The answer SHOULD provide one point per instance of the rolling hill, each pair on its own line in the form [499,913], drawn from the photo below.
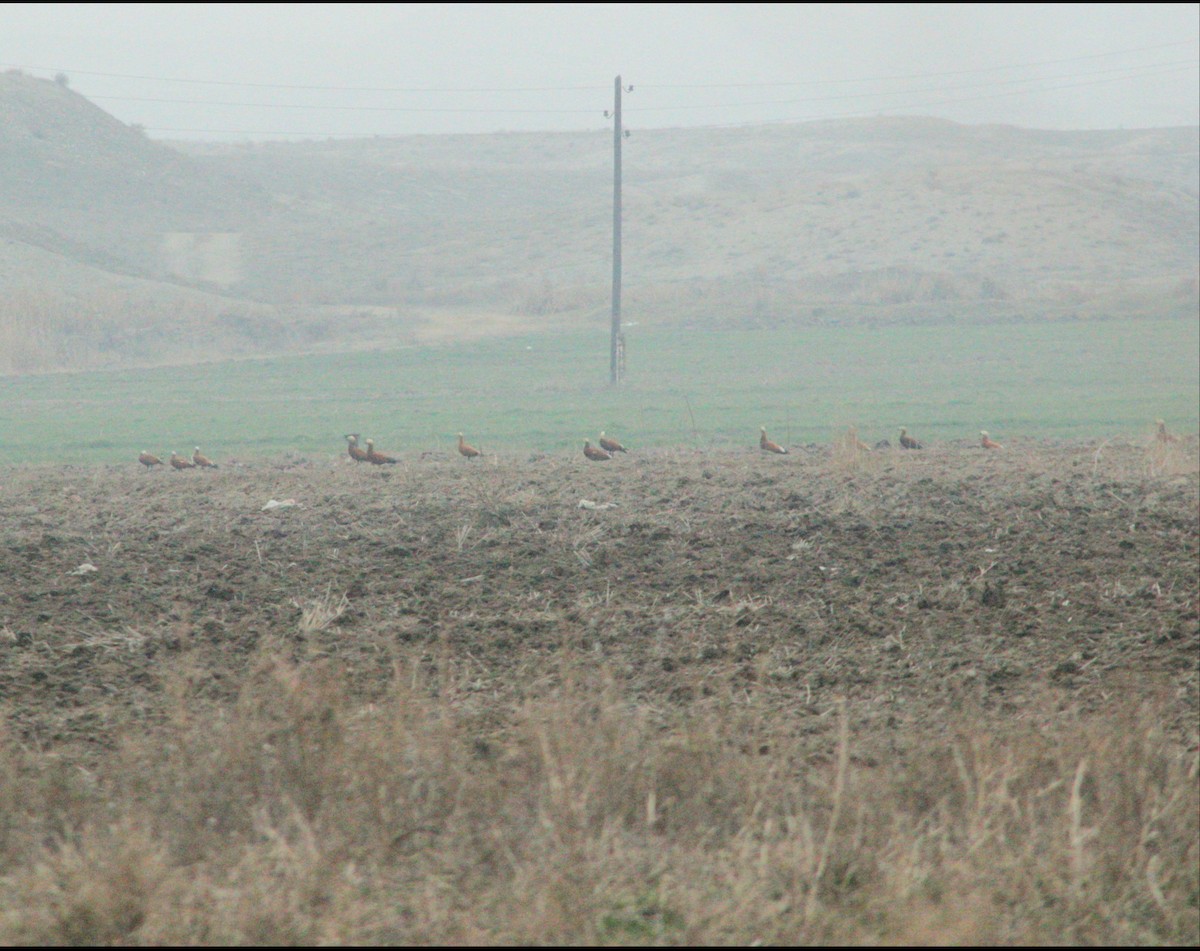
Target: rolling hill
[116,249]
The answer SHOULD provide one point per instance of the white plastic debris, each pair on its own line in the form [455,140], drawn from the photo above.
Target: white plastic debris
[279,504]
[596,506]
[84,569]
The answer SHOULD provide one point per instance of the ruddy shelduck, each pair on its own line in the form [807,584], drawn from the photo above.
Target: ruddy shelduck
[1163,435]
[357,453]
[610,445]
[594,453]
[202,460]
[378,458]
[766,445]
[466,449]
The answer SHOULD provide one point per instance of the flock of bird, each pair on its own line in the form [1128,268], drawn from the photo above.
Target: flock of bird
[906,442]
[606,450]
[198,460]
[372,455]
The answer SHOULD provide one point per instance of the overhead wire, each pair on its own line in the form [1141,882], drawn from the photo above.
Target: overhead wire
[999,88]
[1156,70]
[588,86]
[934,74]
[301,86]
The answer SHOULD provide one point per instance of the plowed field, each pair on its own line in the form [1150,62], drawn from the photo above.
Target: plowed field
[1042,580]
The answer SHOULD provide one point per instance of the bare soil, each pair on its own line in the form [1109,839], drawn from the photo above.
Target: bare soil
[917,587]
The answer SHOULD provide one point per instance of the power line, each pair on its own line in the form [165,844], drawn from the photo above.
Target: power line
[290,105]
[1156,69]
[1027,86]
[591,87]
[930,75]
[979,98]
[843,115]
[1159,69]
[323,88]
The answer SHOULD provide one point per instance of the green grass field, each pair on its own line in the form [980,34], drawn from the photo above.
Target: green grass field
[683,389]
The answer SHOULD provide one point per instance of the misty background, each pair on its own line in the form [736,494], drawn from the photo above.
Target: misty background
[254,71]
[822,189]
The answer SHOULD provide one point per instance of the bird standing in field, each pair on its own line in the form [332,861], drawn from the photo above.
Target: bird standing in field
[610,445]
[357,453]
[1162,434]
[987,441]
[466,449]
[851,442]
[178,462]
[596,455]
[378,457]
[149,459]
[202,460]
[907,442]
[766,445]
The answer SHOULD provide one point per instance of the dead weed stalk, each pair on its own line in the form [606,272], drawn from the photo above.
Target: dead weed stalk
[316,614]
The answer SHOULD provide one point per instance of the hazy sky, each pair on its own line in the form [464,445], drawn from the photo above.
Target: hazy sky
[238,71]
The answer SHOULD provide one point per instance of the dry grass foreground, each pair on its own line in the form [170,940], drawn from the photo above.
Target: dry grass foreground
[831,697]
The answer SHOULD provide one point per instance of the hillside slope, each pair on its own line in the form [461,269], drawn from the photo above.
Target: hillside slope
[874,220]
[81,183]
[723,224]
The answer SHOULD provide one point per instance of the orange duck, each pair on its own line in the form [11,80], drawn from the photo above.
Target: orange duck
[378,457]
[596,455]
[357,453]
[610,445]
[766,445]
[202,461]
[466,449]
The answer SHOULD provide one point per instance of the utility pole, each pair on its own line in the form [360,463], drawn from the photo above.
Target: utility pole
[617,343]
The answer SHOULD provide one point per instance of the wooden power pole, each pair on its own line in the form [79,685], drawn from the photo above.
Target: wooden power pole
[617,343]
